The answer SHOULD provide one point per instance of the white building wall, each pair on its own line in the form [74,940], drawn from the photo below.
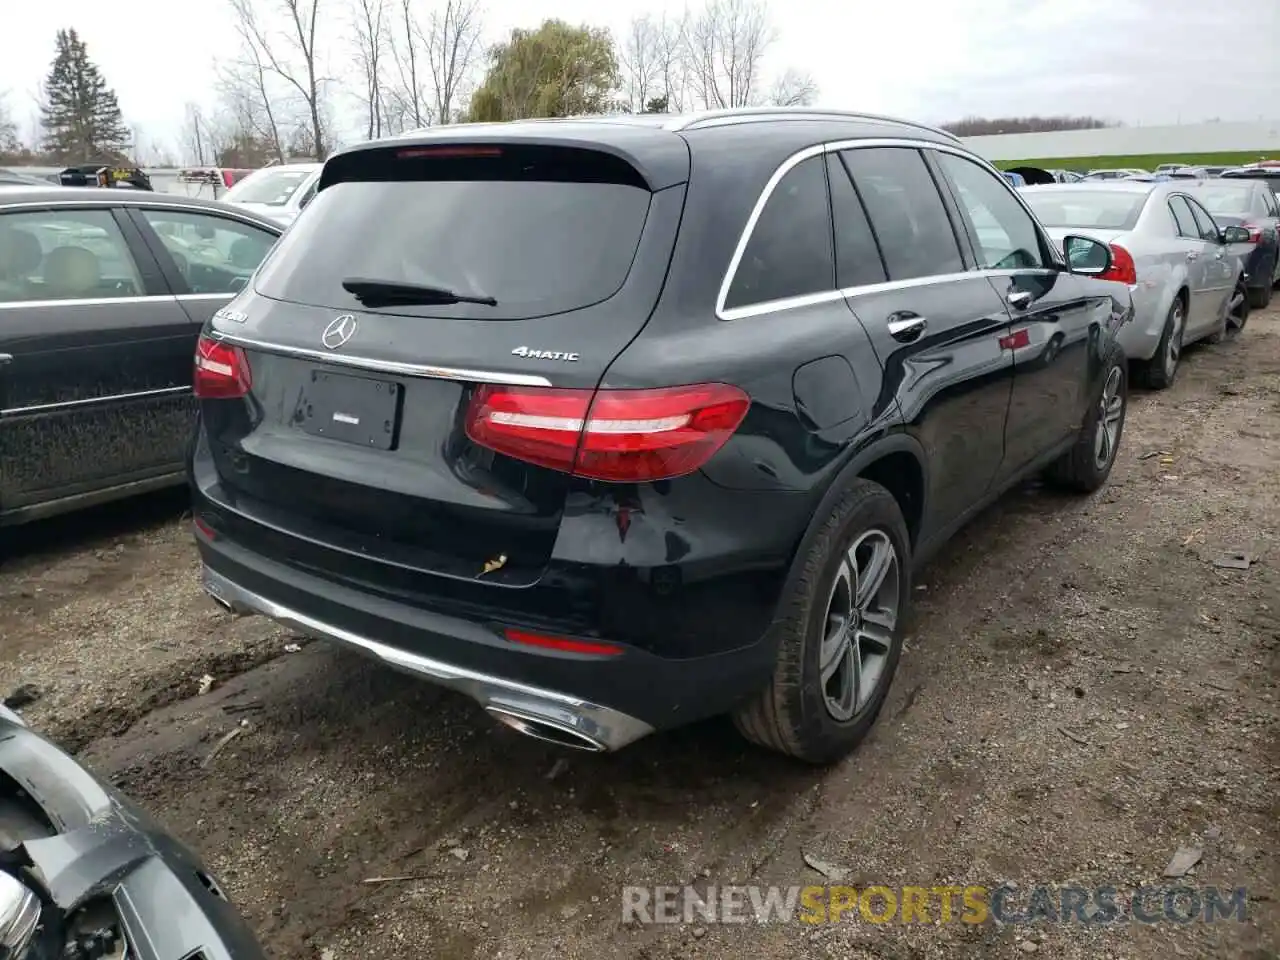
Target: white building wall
[1261,136]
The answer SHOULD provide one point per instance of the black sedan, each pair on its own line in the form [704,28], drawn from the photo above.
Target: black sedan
[84,874]
[102,295]
[1250,204]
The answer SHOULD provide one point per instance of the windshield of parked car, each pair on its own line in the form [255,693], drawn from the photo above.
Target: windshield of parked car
[1228,199]
[273,188]
[1100,209]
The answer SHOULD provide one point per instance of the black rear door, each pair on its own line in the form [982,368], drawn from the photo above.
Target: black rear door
[97,391]
[936,325]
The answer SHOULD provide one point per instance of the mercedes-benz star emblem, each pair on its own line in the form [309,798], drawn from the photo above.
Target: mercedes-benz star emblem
[339,331]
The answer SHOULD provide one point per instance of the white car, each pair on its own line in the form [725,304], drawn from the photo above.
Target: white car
[278,192]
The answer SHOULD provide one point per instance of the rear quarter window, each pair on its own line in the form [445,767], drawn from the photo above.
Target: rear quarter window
[540,237]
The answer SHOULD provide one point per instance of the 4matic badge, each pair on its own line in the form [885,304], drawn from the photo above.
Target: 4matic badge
[530,354]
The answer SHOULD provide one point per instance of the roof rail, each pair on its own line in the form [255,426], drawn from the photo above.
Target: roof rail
[708,118]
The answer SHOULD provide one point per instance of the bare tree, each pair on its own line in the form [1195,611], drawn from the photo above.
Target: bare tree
[727,41]
[252,112]
[406,48]
[195,134]
[9,142]
[370,46]
[453,50]
[301,26]
[794,88]
[640,62]
[673,62]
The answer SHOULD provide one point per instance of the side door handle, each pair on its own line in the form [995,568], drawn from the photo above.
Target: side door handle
[1193,255]
[906,326]
[1220,254]
[6,359]
[1020,299]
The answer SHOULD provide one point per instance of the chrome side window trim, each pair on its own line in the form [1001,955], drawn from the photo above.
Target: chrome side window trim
[91,401]
[84,301]
[830,296]
[394,367]
[825,296]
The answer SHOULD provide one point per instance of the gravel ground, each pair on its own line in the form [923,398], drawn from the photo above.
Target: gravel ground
[1084,691]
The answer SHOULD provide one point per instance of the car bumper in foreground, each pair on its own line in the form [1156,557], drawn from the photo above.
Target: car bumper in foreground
[168,906]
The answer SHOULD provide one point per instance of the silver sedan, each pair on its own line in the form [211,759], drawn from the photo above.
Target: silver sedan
[1186,281]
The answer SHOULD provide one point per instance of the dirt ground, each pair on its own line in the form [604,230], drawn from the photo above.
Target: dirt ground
[1083,692]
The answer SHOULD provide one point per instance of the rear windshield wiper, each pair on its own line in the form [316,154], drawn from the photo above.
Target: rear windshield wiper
[374,293]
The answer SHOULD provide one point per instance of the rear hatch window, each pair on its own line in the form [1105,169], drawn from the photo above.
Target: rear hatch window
[1102,210]
[531,231]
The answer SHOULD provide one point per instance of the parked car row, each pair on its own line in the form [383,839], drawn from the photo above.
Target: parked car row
[1195,254]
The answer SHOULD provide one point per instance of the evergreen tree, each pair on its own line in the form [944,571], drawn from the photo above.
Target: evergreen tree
[82,118]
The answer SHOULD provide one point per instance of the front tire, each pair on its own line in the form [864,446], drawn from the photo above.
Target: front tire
[1158,372]
[1085,467]
[838,633]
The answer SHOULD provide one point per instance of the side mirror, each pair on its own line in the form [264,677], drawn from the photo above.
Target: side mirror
[1235,235]
[1086,256]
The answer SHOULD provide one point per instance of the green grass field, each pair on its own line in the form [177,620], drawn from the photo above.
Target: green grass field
[1147,161]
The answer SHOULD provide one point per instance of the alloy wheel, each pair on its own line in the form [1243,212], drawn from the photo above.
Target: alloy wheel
[1174,350]
[862,614]
[1237,312]
[1110,412]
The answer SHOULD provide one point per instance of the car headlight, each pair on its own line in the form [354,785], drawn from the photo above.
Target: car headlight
[19,917]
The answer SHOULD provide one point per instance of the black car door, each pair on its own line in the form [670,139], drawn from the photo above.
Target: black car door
[207,255]
[935,325]
[95,391]
[1054,313]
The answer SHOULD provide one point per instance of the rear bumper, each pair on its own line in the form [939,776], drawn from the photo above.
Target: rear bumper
[1141,336]
[585,701]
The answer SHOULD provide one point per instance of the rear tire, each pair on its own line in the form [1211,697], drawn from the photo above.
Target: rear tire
[800,713]
[1158,372]
[1085,467]
[1260,297]
[1237,316]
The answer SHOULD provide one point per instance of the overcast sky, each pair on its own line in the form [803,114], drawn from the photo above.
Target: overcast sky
[1138,61]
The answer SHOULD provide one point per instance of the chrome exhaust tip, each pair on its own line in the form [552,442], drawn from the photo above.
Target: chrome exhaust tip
[548,730]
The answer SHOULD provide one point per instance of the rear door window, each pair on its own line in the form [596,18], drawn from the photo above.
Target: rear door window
[539,234]
[906,211]
[65,255]
[789,253]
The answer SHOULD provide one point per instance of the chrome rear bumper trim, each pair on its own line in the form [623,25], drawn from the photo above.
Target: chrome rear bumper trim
[609,728]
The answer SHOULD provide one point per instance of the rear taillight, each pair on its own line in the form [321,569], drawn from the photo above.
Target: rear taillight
[1255,232]
[222,371]
[1123,269]
[615,435]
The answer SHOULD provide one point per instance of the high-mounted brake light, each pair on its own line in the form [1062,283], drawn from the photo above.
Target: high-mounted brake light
[444,153]
[623,436]
[1123,269]
[222,371]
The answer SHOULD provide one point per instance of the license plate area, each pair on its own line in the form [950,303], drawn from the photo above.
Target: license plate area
[359,410]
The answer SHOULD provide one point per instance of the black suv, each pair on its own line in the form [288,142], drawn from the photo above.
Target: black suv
[618,423]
